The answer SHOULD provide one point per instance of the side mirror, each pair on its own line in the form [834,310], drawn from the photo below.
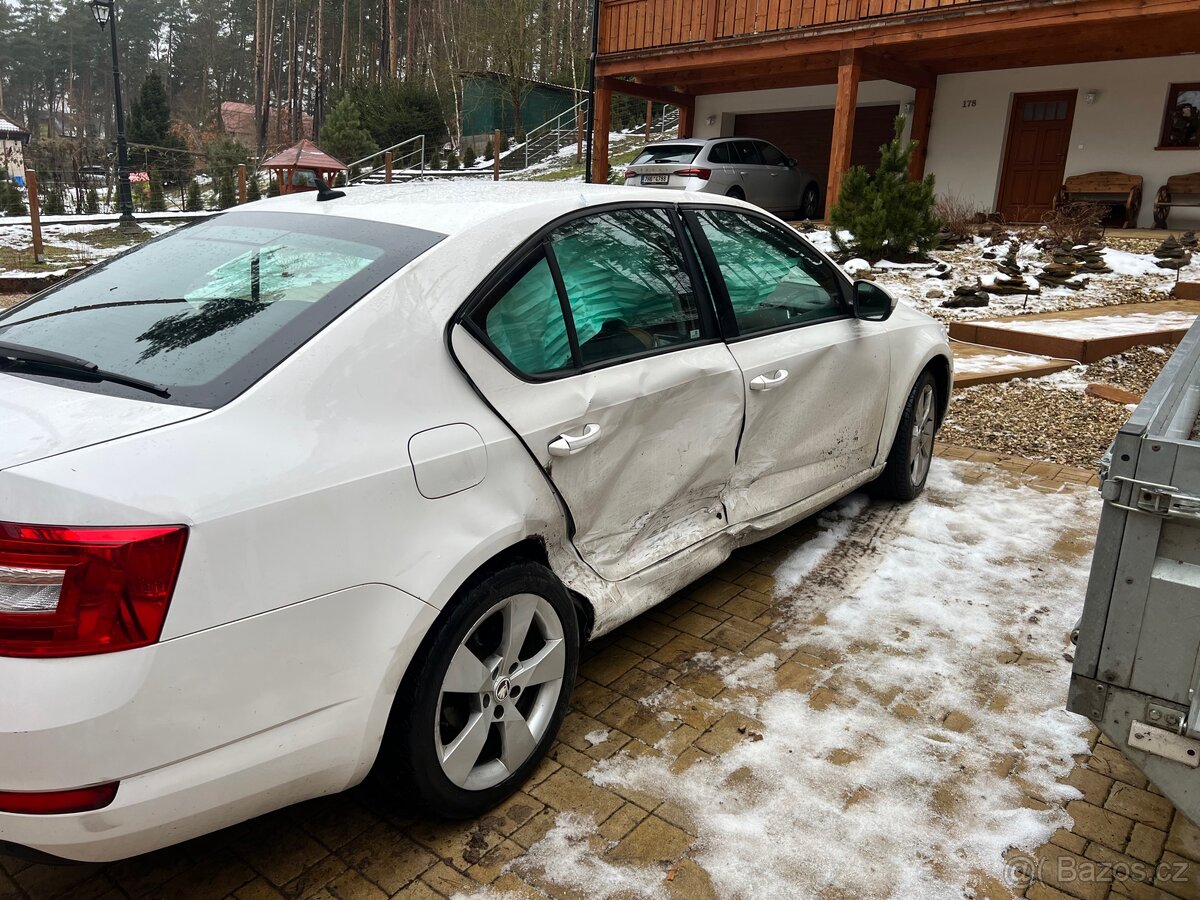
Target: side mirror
[791,163]
[871,302]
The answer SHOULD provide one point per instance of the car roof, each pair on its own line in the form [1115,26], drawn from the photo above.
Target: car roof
[456,206]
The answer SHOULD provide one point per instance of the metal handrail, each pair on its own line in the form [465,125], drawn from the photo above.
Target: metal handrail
[419,140]
[555,125]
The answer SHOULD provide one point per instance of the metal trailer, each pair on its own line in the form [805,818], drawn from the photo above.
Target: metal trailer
[1137,663]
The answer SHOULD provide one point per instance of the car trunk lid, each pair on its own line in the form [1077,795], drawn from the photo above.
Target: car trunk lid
[43,419]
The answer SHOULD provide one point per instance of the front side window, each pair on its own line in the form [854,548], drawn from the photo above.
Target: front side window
[626,283]
[771,156]
[207,310]
[773,280]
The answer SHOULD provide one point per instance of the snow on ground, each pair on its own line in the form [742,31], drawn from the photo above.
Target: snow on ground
[71,238]
[999,361]
[1094,327]
[931,736]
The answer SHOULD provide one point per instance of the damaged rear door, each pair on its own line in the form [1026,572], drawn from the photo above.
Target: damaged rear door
[599,348]
[1136,672]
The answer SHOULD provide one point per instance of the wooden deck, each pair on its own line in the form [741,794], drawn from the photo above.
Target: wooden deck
[1085,335]
[978,364]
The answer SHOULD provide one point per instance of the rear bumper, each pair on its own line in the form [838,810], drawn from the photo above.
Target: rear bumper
[206,730]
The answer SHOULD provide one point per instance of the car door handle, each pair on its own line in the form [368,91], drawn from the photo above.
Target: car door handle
[568,444]
[741,173]
[766,382]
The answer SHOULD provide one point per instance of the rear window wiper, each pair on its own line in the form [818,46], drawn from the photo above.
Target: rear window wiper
[49,359]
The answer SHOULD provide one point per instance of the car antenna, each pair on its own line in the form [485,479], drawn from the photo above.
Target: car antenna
[325,192]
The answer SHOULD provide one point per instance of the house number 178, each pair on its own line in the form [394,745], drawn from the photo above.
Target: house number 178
[968,103]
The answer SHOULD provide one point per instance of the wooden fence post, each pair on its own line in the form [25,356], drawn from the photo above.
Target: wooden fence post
[35,216]
[241,183]
[387,167]
[496,155]
[579,134]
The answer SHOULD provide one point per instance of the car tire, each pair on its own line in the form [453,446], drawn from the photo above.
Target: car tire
[907,468]
[473,720]
[810,202]
[736,193]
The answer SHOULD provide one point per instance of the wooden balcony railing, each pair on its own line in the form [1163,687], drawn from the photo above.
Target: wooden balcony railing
[629,25]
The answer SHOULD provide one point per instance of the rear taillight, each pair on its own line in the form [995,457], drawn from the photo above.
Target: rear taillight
[78,591]
[48,803]
[630,173]
[704,174]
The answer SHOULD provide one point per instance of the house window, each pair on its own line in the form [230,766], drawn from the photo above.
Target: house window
[1181,118]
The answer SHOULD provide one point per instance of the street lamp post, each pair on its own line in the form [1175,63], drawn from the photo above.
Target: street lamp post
[106,14]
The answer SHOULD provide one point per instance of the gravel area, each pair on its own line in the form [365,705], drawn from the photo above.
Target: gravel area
[7,300]
[1052,418]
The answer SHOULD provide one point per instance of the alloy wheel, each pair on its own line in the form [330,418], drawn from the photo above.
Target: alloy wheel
[498,696]
[921,446]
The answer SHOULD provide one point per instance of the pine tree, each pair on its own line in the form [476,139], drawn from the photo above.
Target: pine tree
[273,187]
[435,161]
[886,213]
[14,203]
[253,189]
[194,203]
[343,136]
[92,202]
[156,203]
[226,195]
[452,160]
[489,152]
[54,205]
[503,143]
[469,157]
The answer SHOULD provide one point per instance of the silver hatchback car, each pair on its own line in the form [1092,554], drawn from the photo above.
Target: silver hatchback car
[746,168]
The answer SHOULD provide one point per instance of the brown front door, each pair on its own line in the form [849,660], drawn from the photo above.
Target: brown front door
[1039,132]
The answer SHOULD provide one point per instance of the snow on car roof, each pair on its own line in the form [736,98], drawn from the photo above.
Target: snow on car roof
[451,208]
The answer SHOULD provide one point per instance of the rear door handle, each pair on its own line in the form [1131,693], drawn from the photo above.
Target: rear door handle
[766,382]
[569,444]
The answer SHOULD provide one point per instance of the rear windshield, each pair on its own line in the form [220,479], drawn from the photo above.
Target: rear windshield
[207,310]
[667,153]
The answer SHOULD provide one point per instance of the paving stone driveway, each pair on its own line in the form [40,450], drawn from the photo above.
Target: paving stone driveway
[353,846]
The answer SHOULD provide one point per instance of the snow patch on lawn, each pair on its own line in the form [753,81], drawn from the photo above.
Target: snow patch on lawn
[947,738]
[1000,361]
[1094,327]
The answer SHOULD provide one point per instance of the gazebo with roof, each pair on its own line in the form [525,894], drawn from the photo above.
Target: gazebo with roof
[298,167]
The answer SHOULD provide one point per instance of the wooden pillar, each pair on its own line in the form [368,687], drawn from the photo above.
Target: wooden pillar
[601,125]
[496,155]
[241,184]
[387,167]
[922,121]
[849,73]
[35,216]
[649,117]
[687,119]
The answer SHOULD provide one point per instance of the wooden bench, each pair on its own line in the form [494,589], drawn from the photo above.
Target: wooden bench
[1111,188]
[1180,190]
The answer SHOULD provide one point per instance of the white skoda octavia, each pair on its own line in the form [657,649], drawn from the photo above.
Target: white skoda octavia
[313,489]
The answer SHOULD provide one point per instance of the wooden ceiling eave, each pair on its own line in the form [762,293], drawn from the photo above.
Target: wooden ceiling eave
[985,26]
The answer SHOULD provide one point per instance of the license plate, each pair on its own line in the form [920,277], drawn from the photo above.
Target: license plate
[656,179]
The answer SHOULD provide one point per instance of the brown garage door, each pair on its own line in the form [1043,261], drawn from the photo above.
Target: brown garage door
[807,136]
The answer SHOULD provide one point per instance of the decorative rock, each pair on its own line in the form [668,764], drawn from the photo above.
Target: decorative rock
[855,267]
[959,301]
[807,227]
[966,290]
[1188,239]
[935,294]
[1175,264]
[941,270]
[1169,249]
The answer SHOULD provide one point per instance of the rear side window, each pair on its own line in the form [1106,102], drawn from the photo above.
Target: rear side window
[721,154]
[772,279]
[748,153]
[667,154]
[623,291]
[209,309]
